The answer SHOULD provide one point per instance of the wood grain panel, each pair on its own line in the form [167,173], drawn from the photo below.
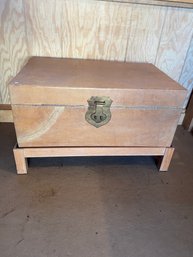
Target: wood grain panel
[175,40]
[92,151]
[56,81]
[80,29]
[44,27]
[145,30]
[47,126]
[152,98]
[73,73]
[13,47]
[95,30]
[5,65]
[186,78]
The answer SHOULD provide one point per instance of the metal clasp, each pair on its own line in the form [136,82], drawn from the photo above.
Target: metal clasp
[98,113]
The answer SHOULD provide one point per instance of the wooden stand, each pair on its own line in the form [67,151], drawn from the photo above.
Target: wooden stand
[21,154]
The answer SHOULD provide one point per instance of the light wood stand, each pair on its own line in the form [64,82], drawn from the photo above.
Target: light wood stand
[21,154]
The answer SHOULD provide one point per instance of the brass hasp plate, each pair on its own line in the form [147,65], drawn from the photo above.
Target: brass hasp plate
[98,113]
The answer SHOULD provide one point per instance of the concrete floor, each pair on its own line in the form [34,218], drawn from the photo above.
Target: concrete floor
[96,207]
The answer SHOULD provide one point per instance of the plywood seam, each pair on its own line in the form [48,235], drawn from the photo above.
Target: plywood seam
[166,13]
[26,34]
[127,43]
[62,36]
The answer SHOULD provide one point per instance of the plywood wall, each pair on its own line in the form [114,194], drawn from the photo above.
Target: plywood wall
[96,30]
[186,77]
[175,40]
[13,47]
[78,29]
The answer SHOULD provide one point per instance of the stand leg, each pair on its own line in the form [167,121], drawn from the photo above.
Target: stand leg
[166,159]
[20,161]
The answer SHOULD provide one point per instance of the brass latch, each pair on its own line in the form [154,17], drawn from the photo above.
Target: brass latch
[98,113]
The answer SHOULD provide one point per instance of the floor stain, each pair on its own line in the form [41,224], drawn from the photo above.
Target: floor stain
[45,194]
[7,213]
[21,240]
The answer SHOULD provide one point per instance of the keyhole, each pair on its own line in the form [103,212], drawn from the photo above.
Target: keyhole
[98,118]
[101,118]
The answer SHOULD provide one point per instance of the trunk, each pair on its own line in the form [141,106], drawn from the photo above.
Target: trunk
[64,102]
